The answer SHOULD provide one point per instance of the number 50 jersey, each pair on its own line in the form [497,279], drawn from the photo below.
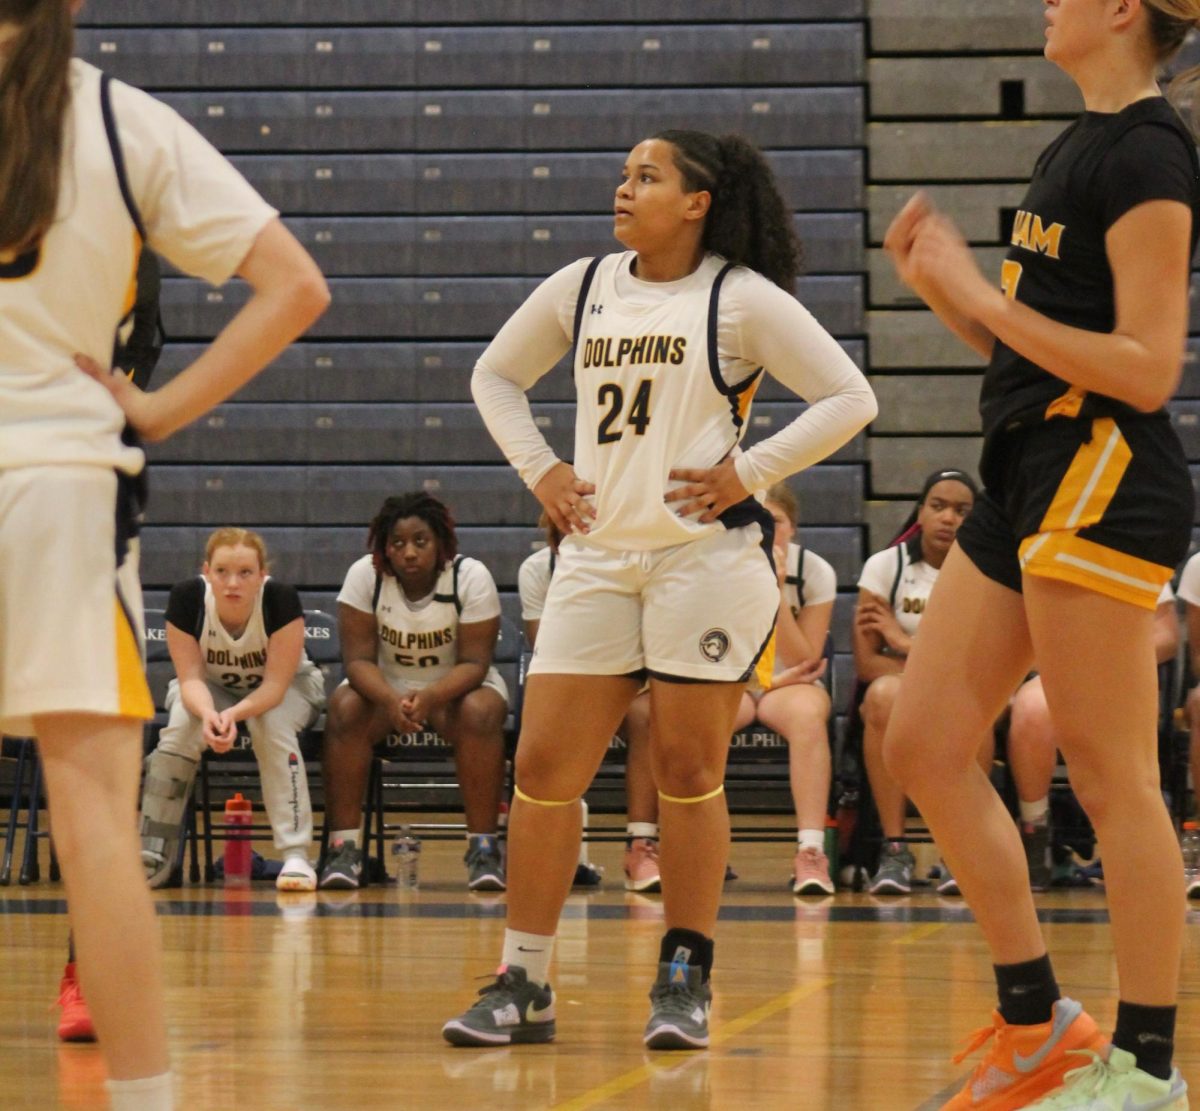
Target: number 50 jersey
[418,640]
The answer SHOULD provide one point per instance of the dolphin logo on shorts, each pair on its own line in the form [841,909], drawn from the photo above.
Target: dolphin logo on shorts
[714,645]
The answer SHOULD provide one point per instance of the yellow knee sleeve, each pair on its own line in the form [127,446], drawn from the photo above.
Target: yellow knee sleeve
[539,802]
[699,798]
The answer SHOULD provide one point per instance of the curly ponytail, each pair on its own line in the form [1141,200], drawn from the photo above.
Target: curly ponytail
[748,221]
[34,94]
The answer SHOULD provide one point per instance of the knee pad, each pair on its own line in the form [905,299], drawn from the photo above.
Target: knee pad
[698,798]
[165,794]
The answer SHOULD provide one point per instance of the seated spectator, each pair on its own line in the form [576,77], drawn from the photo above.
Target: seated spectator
[1033,747]
[418,625]
[798,709]
[641,795]
[892,591]
[236,638]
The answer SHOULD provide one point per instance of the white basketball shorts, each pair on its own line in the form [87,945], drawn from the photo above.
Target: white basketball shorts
[70,618]
[702,611]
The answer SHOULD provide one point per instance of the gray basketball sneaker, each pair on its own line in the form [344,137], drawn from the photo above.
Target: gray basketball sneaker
[679,1006]
[509,1010]
[343,867]
[485,868]
[895,871]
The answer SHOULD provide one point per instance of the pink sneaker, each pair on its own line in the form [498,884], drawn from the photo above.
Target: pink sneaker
[641,865]
[811,873]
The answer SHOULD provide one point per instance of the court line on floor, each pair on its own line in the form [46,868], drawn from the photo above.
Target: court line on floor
[265,905]
[920,933]
[725,1032]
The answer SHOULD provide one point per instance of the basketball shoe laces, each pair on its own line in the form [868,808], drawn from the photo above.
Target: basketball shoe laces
[1088,1080]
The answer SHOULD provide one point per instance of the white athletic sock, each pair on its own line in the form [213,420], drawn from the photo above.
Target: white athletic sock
[349,836]
[642,829]
[1035,812]
[151,1093]
[531,952]
[811,839]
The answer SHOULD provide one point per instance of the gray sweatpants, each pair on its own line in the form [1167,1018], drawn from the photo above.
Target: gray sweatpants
[275,738]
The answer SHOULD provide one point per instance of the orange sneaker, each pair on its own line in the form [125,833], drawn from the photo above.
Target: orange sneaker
[1025,1062]
[75,1022]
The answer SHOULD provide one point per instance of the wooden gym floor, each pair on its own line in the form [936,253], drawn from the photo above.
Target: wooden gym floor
[335,1001]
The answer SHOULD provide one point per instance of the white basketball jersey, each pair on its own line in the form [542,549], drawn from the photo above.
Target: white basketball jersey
[237,663]
[67,296]
[418,644]
[650,398]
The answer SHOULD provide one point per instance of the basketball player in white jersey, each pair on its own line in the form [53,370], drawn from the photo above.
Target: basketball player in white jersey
[797,705]
[89,172]
[665,569]
[236,638]
[893,588]
[418,625]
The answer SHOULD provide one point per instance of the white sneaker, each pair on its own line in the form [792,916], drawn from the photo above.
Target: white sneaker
[297,875]
[1115,1085]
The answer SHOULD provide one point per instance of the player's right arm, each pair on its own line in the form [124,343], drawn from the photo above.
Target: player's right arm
[202,216]
[531,341]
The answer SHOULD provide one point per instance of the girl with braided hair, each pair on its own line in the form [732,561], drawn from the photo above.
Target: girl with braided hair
[665,569]
[418,625]
[1086,512]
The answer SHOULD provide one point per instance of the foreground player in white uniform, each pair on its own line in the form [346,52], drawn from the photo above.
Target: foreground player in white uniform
[794,699]
[89,172]
[418,626]
[666,565]
[236,638]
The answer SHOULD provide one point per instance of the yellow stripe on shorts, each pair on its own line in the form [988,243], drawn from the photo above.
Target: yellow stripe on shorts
[133,693]
[1091,480]
[1067,557]
[764,670]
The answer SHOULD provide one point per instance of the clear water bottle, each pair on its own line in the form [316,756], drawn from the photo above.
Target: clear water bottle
[1189,843]
[406,855]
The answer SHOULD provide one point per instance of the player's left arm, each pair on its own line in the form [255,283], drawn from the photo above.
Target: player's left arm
[285,646]
[802,638]
[1139,362]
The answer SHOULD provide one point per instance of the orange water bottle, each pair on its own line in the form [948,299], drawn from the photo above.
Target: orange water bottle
[238,816]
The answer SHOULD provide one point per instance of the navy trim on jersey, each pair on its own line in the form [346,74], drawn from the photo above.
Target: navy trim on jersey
[734,392]
[750,511]
[797,580]
[22,266]
[453,597]
[118,156]
[581,304]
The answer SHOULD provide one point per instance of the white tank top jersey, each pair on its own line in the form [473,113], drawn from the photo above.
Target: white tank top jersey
[138,163]
[239,663]
[533,582]
[909,595]
[418,641]
[650,397]
[664,376]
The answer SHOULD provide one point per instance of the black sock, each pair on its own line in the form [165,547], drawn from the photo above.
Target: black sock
[70,948]
[1149,1034]
[1028,991]
[698,950]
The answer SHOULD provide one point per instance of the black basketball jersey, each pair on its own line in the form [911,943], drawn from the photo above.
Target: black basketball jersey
[1103,165]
